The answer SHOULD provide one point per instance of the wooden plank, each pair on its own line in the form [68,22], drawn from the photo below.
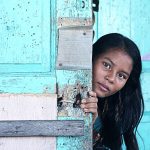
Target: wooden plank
[27,143]
[28,107]
[41,128]
[27,83]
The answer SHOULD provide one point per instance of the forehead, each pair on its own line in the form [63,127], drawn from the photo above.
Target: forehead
[119,57]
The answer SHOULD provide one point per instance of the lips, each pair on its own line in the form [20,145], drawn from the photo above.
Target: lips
[103,87]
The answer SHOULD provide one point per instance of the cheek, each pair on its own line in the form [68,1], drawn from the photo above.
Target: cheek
[119,86]
[94,73]
[98,73]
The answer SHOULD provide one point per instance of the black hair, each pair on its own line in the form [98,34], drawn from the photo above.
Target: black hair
[125,108]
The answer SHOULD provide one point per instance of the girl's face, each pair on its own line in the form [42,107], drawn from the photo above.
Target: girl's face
[111,71]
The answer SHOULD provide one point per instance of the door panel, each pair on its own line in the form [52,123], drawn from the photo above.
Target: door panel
[27,51]
[25,36]
[131,18]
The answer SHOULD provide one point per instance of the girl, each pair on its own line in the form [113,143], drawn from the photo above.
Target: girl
[116,100]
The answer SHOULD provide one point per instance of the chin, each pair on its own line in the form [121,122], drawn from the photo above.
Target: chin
[103,95]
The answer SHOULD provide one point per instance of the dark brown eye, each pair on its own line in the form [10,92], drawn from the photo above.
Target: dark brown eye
[107,65]
[121,76]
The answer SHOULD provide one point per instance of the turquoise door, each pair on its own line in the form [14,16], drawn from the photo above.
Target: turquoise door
[35,52]
[140,33]
[131,18]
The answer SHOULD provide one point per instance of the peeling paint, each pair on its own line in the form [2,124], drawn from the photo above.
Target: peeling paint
[71,86]
[70,97]
[72,22]
[74,13]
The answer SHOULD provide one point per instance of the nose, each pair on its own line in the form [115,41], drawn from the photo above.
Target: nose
[110,76]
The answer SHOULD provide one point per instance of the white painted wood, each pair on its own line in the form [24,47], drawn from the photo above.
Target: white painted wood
[28,107]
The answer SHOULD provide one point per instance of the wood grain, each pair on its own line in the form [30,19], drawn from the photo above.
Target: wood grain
[27,107]
[41,128]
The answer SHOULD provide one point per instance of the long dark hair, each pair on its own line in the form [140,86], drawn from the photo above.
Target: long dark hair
[121,112]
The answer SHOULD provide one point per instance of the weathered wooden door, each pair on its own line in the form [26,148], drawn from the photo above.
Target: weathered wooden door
[131,18]
[45,56]
[27,62]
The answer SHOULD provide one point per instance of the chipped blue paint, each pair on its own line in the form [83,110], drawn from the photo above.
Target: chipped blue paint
[77,143]
[67,81]
[74,9]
